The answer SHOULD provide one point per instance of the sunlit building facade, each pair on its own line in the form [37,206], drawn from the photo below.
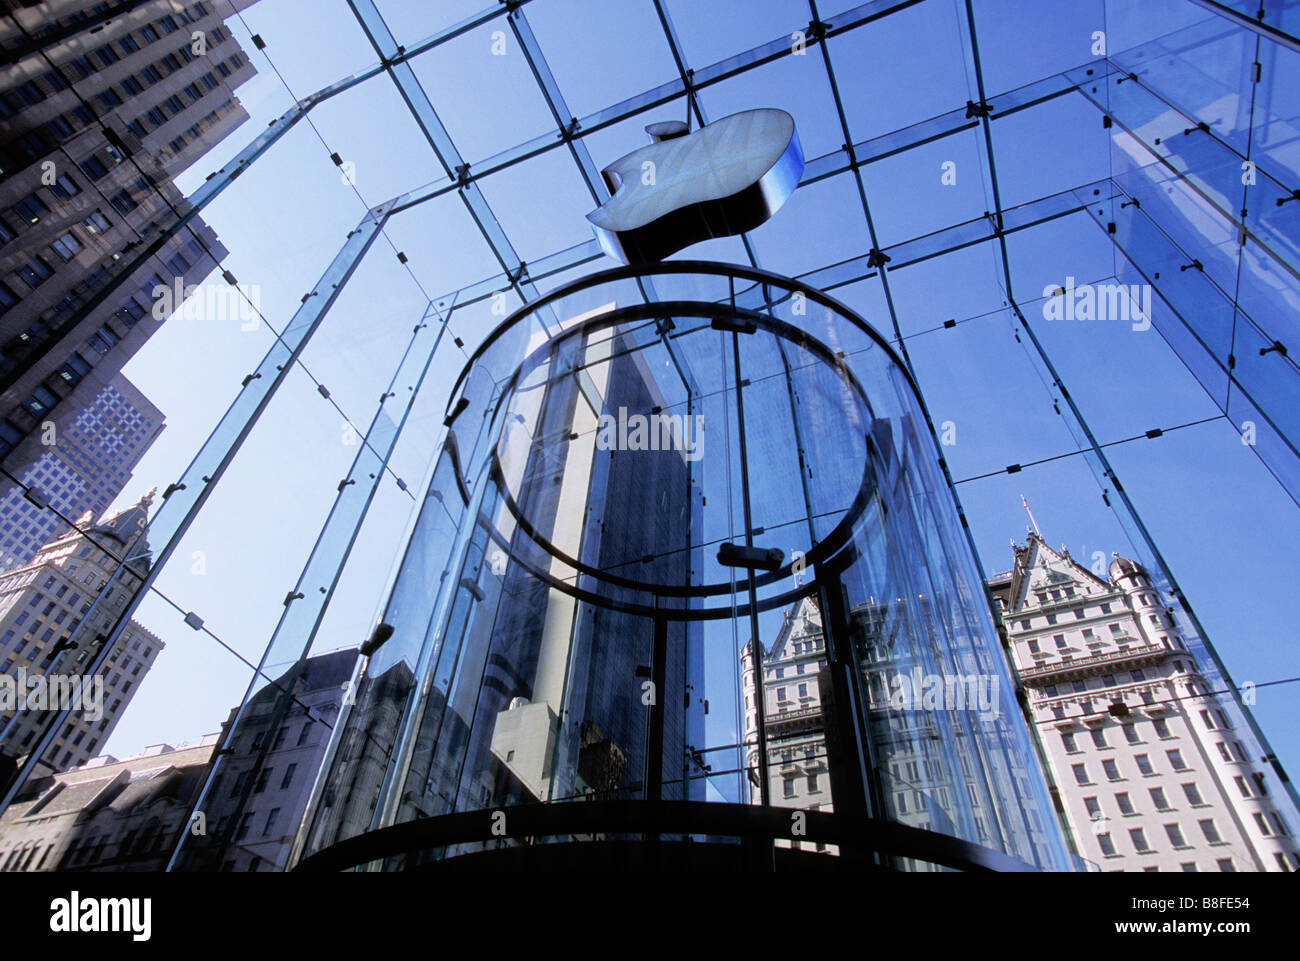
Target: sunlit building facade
[1152,772]
[41,605]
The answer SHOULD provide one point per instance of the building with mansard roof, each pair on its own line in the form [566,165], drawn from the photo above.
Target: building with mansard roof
[1149,771]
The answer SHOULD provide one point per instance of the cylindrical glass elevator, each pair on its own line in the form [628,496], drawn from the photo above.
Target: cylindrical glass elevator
[688,586]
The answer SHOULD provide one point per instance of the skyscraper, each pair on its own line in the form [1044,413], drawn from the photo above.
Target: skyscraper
[98,111]
[41,604]
[90,459]
[1147,764]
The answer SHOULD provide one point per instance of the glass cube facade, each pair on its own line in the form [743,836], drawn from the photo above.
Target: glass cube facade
[1072,229]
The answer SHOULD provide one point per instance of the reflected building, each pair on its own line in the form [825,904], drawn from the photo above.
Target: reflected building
[793,675]
[1151,770]
[271,750]
[561,657]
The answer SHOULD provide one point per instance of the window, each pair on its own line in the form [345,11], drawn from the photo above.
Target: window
[1144,764]
[1161,726]
[780,694]
[35,272]
[1124,802]
[1175,835]
[1139,839]
[1158,799]
[803,690]
[1210,831]
[1176,760]
[270,821]
[1207,720]
[1107,845]
[302,737]
[1131,734]
[1226,866]
[122,202]
[67,246]
[1070,746]
[1080,774]
[96,223]
[1033,647]
[1059,640]
[64,187]
[30,209]
[787,786]
[1242,786]
[812,783]
[1099,738]
[1262,824]
[1111,769]
[288,776]
[1094,808]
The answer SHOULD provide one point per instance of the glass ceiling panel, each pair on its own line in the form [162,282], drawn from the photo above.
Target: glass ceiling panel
[518,111]
[539,221]
[710,31]
[1022,40]
[827,216]
[623,45]
[413,20]
[797,85]
[879,93]
[422,234]
[1052,147]
[927,188]
[379,167]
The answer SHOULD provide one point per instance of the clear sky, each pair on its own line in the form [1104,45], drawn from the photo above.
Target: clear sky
[1223,524]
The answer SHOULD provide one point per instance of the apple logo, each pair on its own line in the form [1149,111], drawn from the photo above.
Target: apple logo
[724,179]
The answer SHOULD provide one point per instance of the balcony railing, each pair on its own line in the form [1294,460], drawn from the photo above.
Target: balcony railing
[1144,653]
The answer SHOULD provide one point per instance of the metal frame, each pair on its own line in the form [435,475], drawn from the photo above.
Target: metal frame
[186,497]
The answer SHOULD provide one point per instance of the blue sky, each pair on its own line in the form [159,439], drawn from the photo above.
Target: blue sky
[1222,522]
